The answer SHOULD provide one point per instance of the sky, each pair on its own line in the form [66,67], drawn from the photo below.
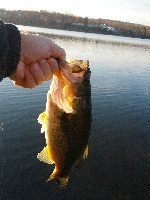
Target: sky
[134,11]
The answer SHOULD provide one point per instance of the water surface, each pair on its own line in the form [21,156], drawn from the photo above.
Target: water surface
[118,164]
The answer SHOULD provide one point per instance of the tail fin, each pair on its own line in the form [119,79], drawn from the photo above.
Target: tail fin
[63,181]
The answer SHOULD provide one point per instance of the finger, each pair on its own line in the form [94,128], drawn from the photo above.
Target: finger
[53,65]
[58,52]
[37,73]
[29,81]
[45,68]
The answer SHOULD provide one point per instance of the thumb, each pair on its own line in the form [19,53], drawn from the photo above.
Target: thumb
[58,52]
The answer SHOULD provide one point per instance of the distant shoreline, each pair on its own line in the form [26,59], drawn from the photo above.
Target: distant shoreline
[68,22]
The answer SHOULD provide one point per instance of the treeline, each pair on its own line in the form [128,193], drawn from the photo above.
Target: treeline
[76,23]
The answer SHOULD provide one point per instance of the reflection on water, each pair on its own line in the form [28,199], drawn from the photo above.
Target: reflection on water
[1,126]
[83,35]
[118,164]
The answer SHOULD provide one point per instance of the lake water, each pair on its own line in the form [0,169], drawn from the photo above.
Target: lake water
[118,164]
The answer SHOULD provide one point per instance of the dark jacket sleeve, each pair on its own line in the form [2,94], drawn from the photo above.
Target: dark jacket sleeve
[10,47]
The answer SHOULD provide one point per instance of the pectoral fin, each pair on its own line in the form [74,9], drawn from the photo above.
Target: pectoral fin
[45,156]
[42,119]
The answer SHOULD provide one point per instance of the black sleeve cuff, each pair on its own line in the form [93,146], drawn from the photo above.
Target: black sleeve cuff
[10,47]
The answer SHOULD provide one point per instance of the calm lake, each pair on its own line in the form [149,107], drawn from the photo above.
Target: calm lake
[118,164]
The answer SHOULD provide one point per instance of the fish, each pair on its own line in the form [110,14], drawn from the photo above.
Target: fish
[66,120]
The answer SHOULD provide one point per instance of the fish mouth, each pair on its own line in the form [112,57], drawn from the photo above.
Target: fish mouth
[74,70]
[66,83]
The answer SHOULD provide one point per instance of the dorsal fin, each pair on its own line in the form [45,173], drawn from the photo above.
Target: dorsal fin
[44,156]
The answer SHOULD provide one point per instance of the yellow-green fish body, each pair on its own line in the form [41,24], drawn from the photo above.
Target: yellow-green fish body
[67,119]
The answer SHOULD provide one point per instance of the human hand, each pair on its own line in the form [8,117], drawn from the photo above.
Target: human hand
[37,61]
[30,76]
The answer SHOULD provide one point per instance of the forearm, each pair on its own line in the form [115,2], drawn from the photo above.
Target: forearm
[10,47]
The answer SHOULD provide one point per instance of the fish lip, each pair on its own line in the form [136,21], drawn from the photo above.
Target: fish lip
[59,61]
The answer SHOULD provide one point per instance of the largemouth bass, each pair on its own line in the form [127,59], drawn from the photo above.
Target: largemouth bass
[67,119]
